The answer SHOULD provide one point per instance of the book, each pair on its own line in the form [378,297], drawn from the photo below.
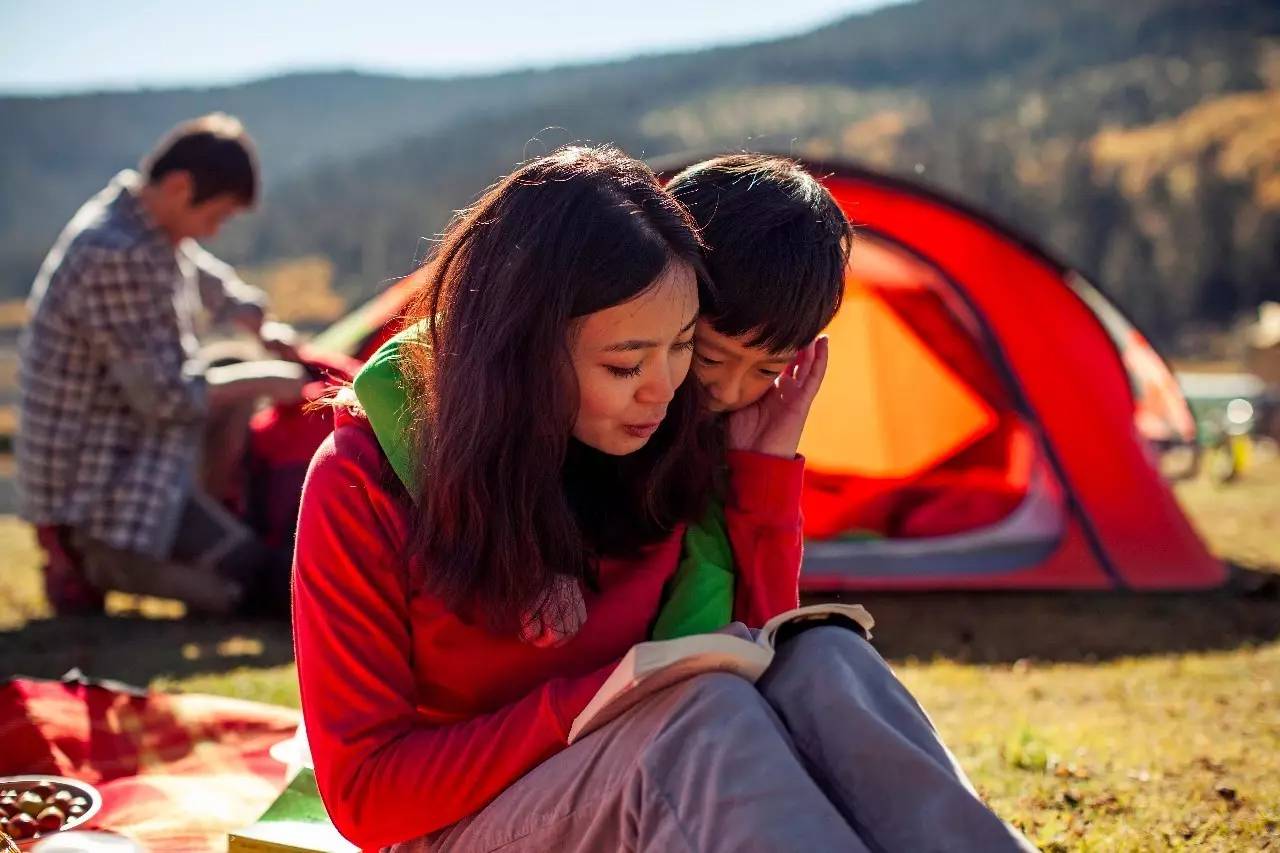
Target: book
[653,666]
[296,821]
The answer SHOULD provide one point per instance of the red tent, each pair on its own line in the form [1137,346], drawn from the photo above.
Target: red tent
[990,420]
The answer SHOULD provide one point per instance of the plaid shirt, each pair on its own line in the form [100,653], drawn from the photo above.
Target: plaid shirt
[112,402]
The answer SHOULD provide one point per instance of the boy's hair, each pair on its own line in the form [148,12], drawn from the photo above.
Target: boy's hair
[217,152]
[777,245]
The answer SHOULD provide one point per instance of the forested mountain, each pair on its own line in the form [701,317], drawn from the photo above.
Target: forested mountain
[1140,140]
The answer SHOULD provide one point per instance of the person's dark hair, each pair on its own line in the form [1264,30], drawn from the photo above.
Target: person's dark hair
[506,498]
[777,245]
[216,151]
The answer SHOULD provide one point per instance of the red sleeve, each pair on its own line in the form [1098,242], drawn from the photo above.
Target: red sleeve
[384,775]
[762,513]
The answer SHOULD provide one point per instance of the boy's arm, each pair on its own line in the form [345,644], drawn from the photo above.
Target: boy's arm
[223,294]
[763,520]
[766,478]
[699,597]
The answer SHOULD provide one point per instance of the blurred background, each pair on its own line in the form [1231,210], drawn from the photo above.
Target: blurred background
[1139,140]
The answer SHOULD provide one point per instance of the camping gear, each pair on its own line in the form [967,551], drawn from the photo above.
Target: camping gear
[989,420]
[1231,411]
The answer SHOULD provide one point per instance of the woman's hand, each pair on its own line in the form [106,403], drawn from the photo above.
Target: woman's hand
[772,425]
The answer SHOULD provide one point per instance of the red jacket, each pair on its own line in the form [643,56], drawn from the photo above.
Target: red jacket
[417,718]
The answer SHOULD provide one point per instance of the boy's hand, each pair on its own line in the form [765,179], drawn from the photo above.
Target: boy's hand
[773,424]
[280,339]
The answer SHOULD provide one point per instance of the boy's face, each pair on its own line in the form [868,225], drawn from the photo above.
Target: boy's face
[182,218]
[734,374]
[203,221]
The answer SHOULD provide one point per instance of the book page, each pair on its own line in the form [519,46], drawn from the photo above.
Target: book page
[654,666]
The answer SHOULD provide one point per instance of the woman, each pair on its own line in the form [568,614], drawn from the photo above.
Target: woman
[447,634]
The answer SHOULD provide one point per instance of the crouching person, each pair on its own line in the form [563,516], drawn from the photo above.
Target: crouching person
[122,420]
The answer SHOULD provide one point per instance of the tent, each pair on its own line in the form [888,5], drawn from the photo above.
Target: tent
[989,421]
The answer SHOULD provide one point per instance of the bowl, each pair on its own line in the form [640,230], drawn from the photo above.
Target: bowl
[76,788]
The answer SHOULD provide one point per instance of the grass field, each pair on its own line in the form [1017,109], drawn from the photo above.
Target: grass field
[1093,722]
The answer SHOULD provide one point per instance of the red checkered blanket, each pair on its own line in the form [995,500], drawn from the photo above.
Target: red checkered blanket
[176,771]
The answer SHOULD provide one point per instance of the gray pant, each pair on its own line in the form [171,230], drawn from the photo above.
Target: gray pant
[829,753]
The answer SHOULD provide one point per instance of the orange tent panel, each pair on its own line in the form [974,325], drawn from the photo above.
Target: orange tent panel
[889,407]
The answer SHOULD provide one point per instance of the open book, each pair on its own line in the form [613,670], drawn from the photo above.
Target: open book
[653,666]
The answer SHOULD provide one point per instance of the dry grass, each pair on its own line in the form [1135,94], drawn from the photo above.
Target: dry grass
[300,290]
[1177,751]
[23,596]
[8,372]
[1241,520]
[13,314]
[1233,130]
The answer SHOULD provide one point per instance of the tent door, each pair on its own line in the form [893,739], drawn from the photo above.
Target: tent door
[1024,538]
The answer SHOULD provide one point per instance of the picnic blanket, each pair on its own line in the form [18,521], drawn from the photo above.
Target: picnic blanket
[176,771]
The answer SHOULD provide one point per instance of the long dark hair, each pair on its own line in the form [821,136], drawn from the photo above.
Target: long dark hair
[506,499]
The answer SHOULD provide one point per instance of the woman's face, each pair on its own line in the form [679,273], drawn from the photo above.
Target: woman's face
[630,358]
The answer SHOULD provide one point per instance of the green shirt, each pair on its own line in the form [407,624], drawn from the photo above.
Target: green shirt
[698,598]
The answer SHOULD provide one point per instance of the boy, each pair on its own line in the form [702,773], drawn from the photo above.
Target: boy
[117,400]
[777,246]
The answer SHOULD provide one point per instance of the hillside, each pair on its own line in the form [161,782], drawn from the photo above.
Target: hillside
[1139,140]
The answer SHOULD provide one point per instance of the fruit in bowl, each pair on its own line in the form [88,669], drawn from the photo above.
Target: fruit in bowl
[35,807]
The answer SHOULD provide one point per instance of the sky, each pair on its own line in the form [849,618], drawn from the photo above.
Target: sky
[76,45]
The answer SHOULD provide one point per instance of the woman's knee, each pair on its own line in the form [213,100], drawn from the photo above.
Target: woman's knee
[705,727]
[710,708]
[712,693]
